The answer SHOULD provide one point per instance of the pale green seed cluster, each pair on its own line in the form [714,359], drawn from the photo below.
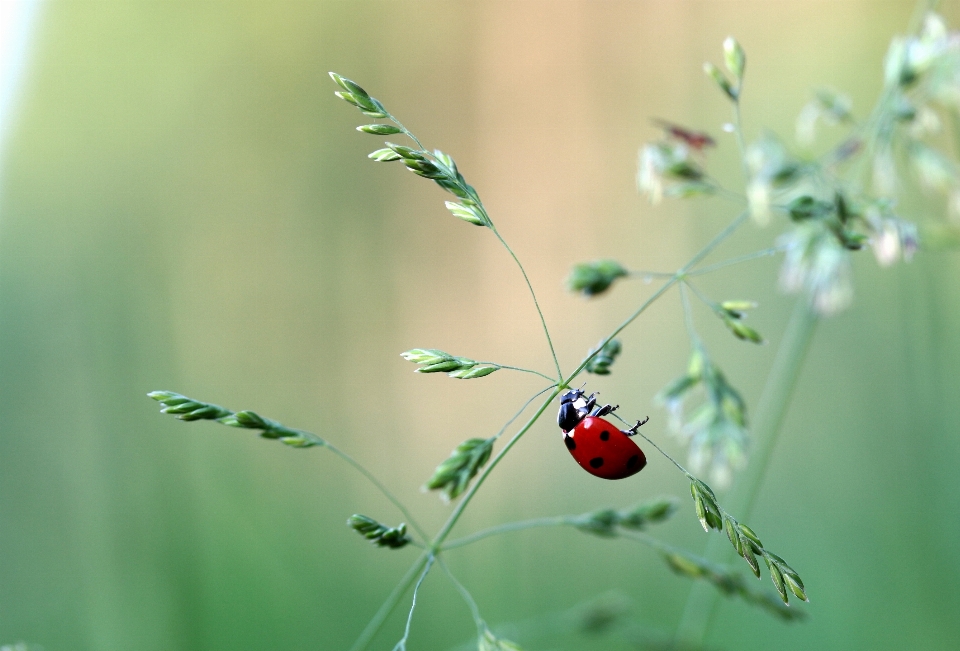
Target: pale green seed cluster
[735,59]
[435,165]
[487,641]
[189,409]
[607,522]
[601,362]
[593,278]
[454,474]
[716,428]
[379,534]
[732,313]
[669,168]
[354,94]
[437,361]
[729,583]
[745,542]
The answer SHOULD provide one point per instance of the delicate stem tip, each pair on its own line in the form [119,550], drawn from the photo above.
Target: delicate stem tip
[735,58]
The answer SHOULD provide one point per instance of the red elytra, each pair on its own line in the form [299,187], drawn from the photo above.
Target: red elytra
[603,450]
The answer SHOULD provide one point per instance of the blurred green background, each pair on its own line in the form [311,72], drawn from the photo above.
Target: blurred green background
[186,206]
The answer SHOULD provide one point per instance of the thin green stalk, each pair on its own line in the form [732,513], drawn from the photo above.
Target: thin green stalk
[373,627]
[522,370]
[508,527]
[467,597]
[559,521]
[651,274]
[728,583]
[278,430]
[724,192]
[321,442]
[737,260]
[704,252]
[715,242]
[522,409]
[661,451]
[543,322]
[700,295]
[407,132]
[630,319]
[402,644]
[688,314]
[771,411]
[490,224]
[383,489]
[650,541]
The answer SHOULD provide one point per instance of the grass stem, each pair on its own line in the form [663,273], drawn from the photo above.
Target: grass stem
[771,411]
[467,597]
[737,260]
[402,644]
[373,626]
[533,294]
[437,544]
[383,489]
[522,370]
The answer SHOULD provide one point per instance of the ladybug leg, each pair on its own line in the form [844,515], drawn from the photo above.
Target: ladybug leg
[633,430]
[587,405]
[604,410]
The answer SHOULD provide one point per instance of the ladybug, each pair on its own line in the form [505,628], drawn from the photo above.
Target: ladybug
[600,448]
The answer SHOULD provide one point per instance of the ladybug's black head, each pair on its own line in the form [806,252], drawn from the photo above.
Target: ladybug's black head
[571,396]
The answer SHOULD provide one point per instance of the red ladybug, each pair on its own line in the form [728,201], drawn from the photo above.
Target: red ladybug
[600,448]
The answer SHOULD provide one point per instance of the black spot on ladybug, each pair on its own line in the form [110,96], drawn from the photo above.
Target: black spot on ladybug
[571,444]
[604,435]
[596,462]
[632,461]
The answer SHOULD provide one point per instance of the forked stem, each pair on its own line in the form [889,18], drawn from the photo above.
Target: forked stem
[373,626]
[533,294]
[437,544]
[383,489]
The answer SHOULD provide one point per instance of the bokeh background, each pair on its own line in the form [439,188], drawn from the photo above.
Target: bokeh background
[185,205]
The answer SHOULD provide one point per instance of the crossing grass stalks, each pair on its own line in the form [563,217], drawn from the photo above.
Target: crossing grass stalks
[820,209]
